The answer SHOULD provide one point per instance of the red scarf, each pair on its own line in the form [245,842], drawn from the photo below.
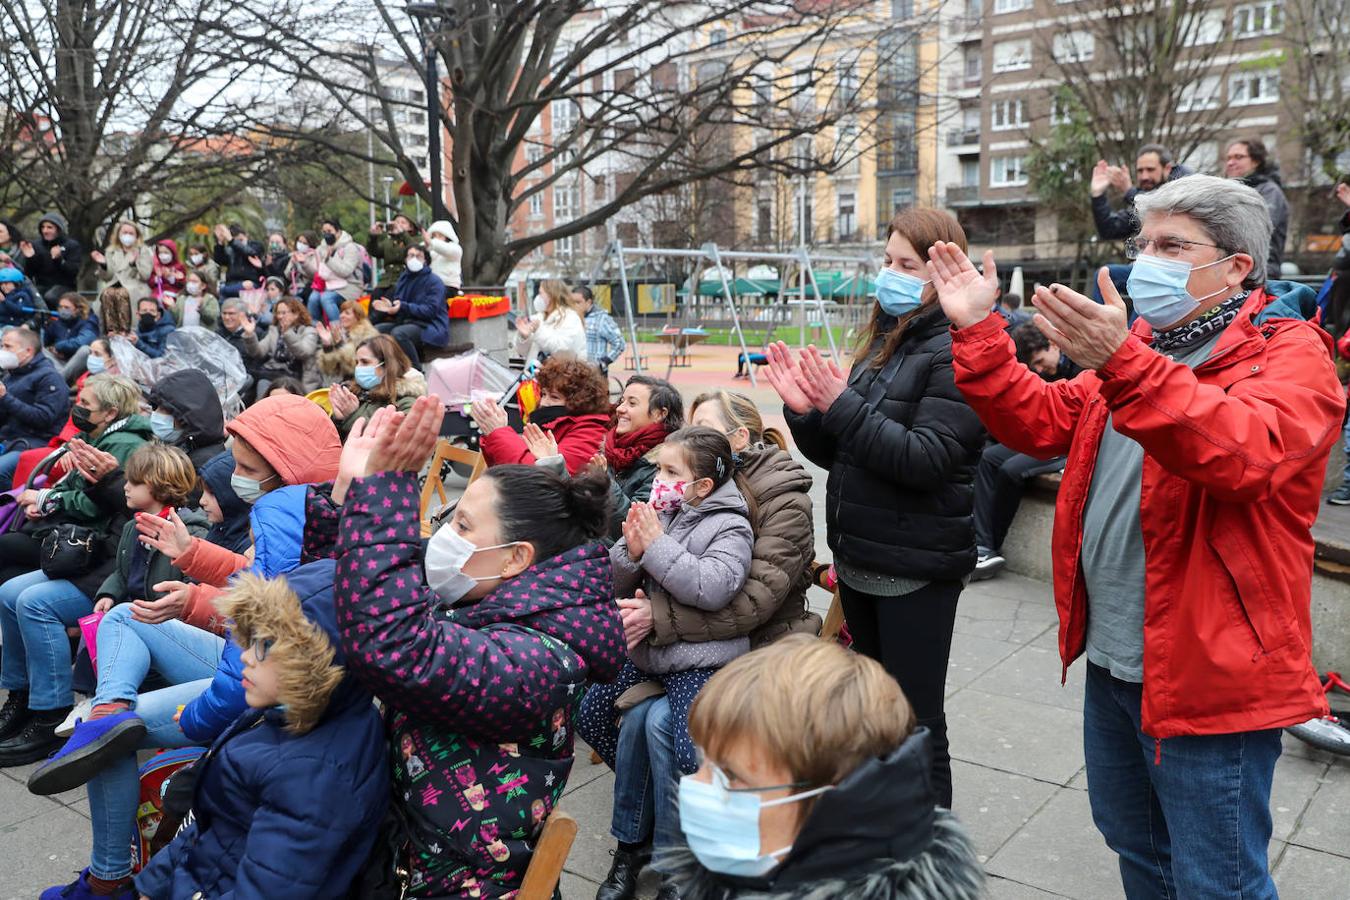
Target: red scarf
[622,450]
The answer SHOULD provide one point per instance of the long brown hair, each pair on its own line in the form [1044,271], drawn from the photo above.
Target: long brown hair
[395,362]
[923,228]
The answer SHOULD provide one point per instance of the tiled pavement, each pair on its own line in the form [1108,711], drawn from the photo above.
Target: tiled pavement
[1016,738]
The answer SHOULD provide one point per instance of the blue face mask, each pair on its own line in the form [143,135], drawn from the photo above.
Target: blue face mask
[722,826]
[899,292]
[367,376]
[66,314]
[249,489]
[1158,288]
[162,426]
[95,365]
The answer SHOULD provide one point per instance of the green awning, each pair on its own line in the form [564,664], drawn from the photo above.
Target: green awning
[741,287]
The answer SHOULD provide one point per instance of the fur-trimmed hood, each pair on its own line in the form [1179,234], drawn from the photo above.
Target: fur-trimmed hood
[305,645]
[878,835]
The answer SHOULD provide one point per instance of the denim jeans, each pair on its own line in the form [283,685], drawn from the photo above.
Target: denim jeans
[647,779]
[327,303]
[1188,816]
[35,612]
[1345,438]
[115,792]
[128,650]
[9,463]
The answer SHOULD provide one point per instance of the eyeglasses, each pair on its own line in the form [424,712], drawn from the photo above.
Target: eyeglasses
[260,648]
[1163,246]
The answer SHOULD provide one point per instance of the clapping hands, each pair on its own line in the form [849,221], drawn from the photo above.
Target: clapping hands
[811,383]
[539,442]
[640,528]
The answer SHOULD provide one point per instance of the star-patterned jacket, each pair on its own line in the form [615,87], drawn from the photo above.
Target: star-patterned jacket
[480,699]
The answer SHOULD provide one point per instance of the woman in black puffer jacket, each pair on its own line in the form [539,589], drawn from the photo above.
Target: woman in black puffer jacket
[901,446]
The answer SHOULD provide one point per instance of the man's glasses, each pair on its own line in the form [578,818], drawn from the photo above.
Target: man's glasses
[1163,246]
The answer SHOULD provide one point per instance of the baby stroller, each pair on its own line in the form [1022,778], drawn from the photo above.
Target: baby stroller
[460,380]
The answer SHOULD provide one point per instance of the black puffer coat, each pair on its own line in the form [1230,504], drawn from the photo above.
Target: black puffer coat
[190,396]
[901,445]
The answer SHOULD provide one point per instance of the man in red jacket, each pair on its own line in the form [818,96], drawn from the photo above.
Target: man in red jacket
[1197,444]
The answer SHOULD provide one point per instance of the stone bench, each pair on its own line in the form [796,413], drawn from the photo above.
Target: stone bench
[1027,549]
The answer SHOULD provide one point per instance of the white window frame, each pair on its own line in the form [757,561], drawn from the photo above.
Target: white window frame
[970,172]
[1061,110]
[1203,93]
[566,205]
[1205,28]
[1240,87]
[1073,46]
[1015,62]
[1258,19]
[1011,6]
[535,205]
[563,247]
[563,116]
[533,154]
[1007,171]
[845,227]
[1007,115]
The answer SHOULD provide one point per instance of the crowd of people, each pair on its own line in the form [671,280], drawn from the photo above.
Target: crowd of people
[388,714]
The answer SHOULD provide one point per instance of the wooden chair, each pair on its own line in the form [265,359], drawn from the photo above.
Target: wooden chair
[446,452]
[550,854]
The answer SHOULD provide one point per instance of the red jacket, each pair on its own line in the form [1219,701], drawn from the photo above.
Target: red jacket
[1235,456]
[578,437]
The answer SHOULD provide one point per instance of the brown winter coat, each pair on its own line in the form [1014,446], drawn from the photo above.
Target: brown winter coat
[338,363]
[772,602]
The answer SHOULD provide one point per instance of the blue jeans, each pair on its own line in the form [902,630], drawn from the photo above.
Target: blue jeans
[647,779]
[35,612]
[1194,824]
[328,303]
[9,462]
[128,650]
[115,792]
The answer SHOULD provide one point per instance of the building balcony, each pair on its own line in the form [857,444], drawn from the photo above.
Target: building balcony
[963,82]
[961,137]
[963,194]
[965,28]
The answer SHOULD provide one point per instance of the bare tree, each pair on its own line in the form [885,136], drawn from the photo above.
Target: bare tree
[1316,82]
[122,108]
[1147,72]
[625,89]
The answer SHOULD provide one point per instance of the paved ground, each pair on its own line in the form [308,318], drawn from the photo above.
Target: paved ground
[1016,738]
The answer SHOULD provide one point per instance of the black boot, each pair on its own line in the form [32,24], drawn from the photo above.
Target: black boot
[14,714]
[621,883]
[36,741]
[668,891]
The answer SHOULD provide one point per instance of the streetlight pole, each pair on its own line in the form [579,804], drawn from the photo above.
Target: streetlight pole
[429,16]
[388,208]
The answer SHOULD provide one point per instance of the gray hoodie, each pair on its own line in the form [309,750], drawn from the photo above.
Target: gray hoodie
[702,560]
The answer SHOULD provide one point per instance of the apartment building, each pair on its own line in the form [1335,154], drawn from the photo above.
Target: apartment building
[1002,90]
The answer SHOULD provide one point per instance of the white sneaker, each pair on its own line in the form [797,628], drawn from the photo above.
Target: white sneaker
[81,711]
[988,565]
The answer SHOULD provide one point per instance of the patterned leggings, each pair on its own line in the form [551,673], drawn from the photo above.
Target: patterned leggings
[598,723]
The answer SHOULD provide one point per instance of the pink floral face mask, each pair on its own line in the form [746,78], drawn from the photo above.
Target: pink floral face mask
[667,495]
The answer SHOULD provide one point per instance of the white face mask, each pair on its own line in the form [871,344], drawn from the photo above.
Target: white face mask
[194,287]
[127,239]
[166,258]
[414,264]
[196,258]
[301,246]
[8,360]
[447,552]
[540,303]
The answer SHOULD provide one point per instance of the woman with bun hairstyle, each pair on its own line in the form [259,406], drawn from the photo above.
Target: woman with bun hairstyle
[480,648]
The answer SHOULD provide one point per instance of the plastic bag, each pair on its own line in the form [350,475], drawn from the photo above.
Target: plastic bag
[189,347]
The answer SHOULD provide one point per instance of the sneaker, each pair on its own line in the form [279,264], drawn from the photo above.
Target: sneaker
[989,564]
[87,752]
[1341,496]
[78,714]
[79,889]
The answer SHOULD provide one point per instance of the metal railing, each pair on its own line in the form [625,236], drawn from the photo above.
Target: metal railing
[963,193]
[958,137]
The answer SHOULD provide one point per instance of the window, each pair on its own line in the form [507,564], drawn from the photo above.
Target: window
[717,36]
[973,63]
[563,247]
[566,203]
[1006,171]
[846,219]
[564,116]
[1061,110]
[901,198]
[846,149]
[1251,88]
[1012,56]
[536,205]
[1073,46]
[1203,28]
[1007,6]
[1006,115]
[846,72]
[1203,93]
[533,153]
[970,172]
[807,219]
[902,9]
[764,221]
[1203,157]
[1255,19]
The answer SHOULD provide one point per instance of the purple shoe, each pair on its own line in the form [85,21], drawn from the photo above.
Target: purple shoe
[79,890]
[87,752]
